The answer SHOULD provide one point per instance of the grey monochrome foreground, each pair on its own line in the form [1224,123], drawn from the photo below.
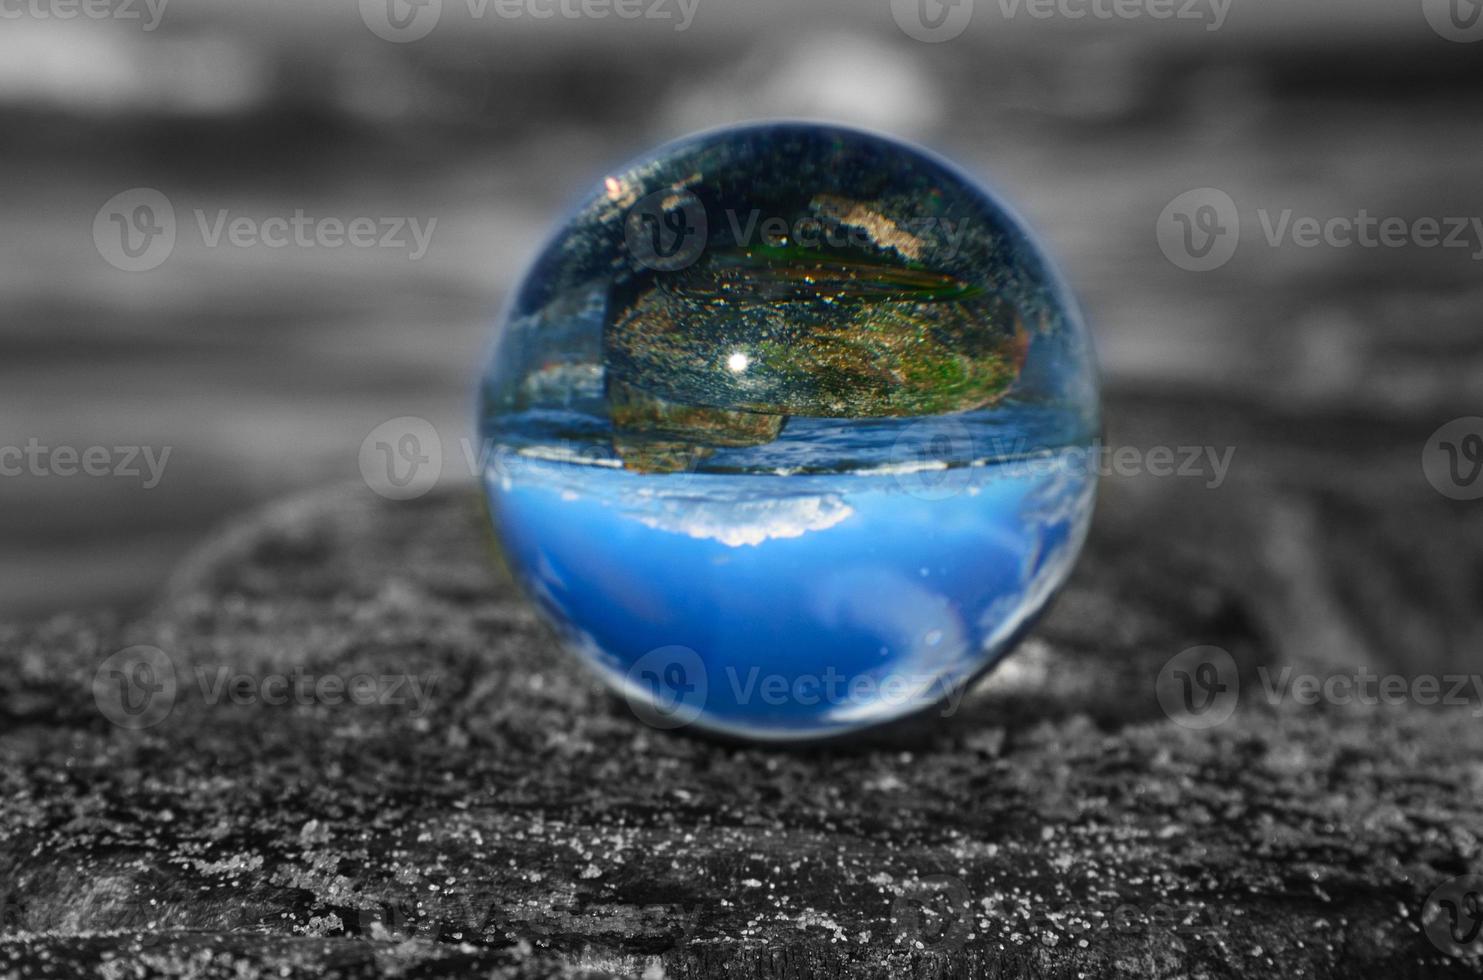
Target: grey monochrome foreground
[1059,824]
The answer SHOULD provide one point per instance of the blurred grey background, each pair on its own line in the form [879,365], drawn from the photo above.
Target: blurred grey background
[263,369]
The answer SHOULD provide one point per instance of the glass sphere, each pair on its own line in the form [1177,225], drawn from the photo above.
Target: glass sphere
[791,431]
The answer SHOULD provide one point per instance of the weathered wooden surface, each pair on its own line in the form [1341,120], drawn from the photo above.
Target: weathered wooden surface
[1058,825]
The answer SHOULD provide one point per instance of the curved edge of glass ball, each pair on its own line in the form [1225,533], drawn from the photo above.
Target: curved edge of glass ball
[597,242]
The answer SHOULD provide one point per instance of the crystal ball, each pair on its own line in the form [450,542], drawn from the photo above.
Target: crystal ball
[790,430]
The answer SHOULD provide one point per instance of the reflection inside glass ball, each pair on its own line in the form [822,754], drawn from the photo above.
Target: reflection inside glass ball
[792,432]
